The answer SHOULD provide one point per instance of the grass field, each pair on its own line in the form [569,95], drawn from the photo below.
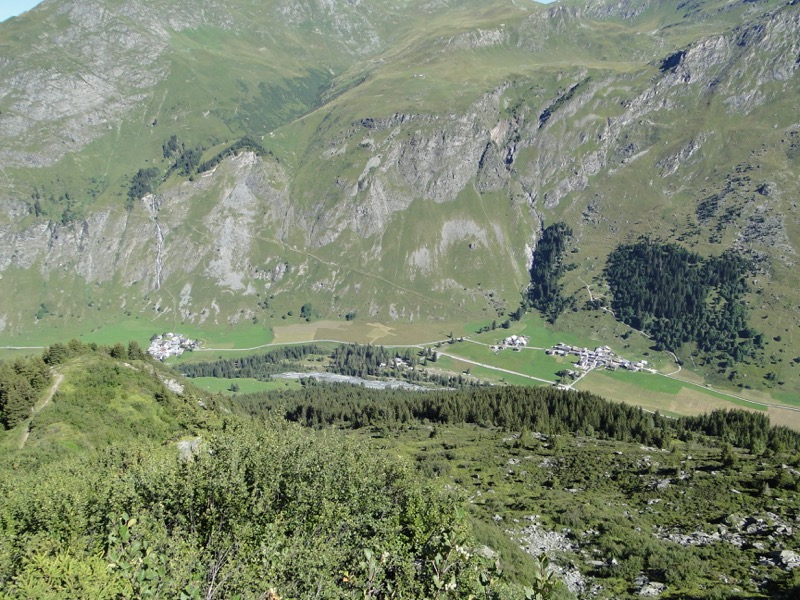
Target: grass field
[655,392]
[110,330]
[10,355]
[528,361]
[405,334]
[246,386]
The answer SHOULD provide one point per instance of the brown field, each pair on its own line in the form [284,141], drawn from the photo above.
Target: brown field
[362,332]
[783,416]
[687,401]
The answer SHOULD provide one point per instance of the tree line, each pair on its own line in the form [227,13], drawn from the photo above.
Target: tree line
[257,366]
[355,360]
[58,353]
[245,143]
[544,409]
[676,296]
[545,290]
[359,360]
[21,385]
[23,381]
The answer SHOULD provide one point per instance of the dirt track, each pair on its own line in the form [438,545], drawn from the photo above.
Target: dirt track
[53,389]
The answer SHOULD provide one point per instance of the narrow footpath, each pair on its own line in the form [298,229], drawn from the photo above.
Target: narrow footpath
[39,406]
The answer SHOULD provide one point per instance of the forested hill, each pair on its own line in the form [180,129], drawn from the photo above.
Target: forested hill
[128,483]
[125,481]
[77,397]
[543,409]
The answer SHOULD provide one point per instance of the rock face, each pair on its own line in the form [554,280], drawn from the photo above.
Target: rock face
[536,540]
[83,87]
[387,182]
[785,559]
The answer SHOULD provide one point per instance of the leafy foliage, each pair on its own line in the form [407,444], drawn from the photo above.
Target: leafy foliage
[251,510]
[21,383]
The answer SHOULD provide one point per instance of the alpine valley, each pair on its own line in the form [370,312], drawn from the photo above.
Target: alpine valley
[393,167]
[565,235]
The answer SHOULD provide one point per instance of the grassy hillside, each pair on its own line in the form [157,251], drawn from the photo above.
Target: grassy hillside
[126,485]
[94,401]
[125,488]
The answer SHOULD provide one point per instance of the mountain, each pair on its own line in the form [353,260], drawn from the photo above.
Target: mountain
[215,166]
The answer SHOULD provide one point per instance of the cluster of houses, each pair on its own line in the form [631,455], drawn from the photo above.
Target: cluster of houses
[397,363]
[600,357]
[517,342]
[170,344]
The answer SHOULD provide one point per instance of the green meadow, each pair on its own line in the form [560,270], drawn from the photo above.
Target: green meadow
[246,386]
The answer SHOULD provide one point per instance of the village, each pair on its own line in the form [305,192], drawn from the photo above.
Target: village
[170,344]
[600,357]
[515,342]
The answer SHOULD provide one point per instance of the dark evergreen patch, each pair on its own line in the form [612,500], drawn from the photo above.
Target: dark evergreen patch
[544,293]
[543,409]
[170,147]
[676,296]
[21,383]
[242,145]
[142,184]
[560,101]
[188,161]
[257,366]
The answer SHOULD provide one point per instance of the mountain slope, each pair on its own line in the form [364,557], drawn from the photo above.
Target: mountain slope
[126,488]
[404,157]
[95,401]
[130,489]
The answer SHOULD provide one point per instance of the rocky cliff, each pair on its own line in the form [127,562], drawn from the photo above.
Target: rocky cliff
[401,176]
